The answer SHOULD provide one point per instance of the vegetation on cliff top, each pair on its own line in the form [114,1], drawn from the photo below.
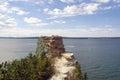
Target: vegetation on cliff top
[76,75]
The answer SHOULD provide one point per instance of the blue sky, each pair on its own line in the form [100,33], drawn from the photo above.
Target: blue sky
[70,18]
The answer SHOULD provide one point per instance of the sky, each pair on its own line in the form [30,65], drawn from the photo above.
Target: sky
[68,18]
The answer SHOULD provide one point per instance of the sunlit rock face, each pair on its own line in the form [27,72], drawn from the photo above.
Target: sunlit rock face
[64,62]
[64,67]
[54,45]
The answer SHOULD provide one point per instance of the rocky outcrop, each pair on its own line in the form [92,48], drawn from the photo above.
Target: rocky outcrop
[64,67]
[54,45]
[64,63]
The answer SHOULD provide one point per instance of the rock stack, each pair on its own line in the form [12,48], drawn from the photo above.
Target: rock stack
[64,63]
[54,45]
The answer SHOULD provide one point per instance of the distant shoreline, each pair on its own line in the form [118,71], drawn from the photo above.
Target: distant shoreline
[19,37]
[91,38]
[63,37]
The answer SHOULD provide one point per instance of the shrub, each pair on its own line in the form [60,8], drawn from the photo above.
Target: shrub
[76,75]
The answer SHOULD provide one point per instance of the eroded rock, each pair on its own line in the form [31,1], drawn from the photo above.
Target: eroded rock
[54,45]
[64,62]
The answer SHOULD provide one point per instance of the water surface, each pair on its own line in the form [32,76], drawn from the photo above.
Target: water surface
[98,57]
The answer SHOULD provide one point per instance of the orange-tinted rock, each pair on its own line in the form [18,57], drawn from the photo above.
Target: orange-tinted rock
[54,45]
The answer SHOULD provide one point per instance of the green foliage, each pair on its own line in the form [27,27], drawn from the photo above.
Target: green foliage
[32,67]
[41,48]
[28,68]
[77,75]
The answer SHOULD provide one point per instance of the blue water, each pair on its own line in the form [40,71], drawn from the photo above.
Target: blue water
[98,57]
[16,48]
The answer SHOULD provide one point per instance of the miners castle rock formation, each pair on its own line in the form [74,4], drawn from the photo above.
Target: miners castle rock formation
[64,62]
[54,45]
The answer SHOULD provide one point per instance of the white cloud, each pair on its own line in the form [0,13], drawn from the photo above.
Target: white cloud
[7,22]
[71,1]
[50,1]
[39,2]
[4,7]
[102,1]
[117,1]
[19,0]
[18,11]
[106,8]
[73,10]
[58,22]
[11,22]
[32,20]
[9,25]
[67,1]
[2,16]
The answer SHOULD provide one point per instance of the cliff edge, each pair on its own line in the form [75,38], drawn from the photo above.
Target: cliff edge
[65,65]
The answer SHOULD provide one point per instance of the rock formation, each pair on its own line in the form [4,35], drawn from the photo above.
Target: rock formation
[54,45]
[64,63]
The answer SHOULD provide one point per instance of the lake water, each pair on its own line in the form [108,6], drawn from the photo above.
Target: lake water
[100,58]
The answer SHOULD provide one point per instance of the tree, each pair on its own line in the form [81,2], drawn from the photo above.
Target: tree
[41,48]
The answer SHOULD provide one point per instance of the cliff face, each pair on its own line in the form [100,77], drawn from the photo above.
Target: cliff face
[54,45]
[64,67]
[64,63]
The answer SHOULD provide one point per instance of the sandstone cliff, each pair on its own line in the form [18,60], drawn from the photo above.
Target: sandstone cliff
[65,65]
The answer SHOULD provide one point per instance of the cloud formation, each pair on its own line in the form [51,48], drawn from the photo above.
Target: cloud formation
[57,22]
[7,22]
[82,9]
[59,17]
[32,20]
[102,1]
[117,1]
[4,7]
[67,1]
[19,0]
